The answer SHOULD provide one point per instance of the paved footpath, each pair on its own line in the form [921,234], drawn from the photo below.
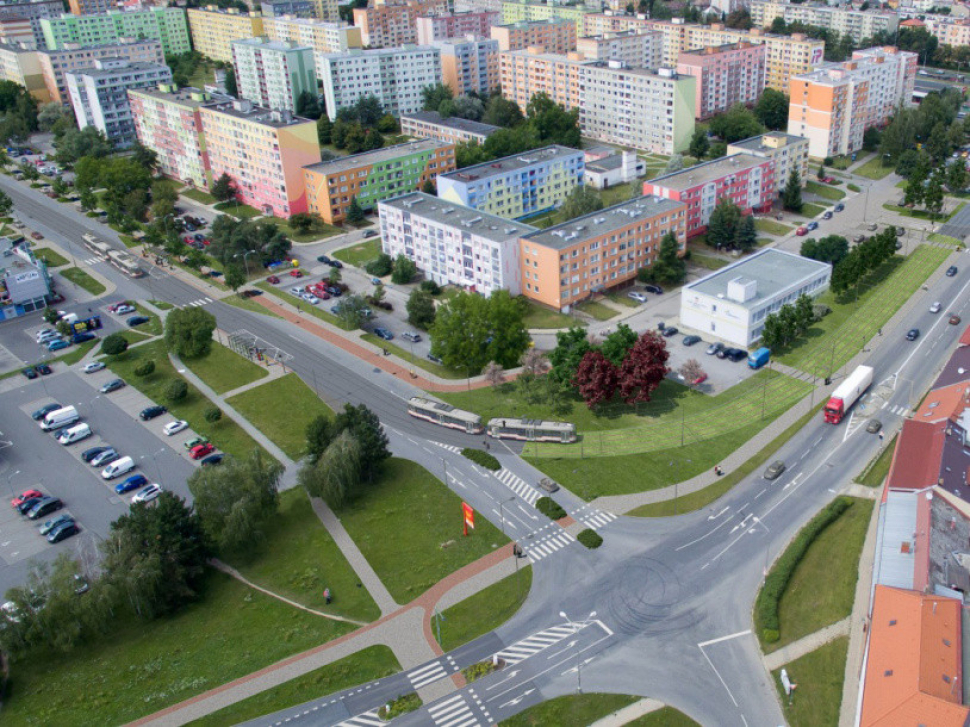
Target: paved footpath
[806,645]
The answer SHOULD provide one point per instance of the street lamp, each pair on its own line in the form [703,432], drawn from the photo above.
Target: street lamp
[245,259]
[501,508]
[579,664]
[155,461]
[10,482]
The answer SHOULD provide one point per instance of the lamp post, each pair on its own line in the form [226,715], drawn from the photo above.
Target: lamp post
[245,260]
[579,664]
[501,508]
[153,455]
[10,482]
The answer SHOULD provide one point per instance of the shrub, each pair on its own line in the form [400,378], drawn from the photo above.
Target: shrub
[430,286]
[212,414]
[402,705]
[146,368]
[176,391]
[483,458]
[590,538]
[550,508]
[380,266]
[853,188]
[114,345]
[766,607]
[479,670]
[820,310]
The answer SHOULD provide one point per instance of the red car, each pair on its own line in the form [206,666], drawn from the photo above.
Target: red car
[25,495]
[201,450]
[36,235]
[699,380]
[296,273]
[206,241]
[801,231]
[829,180]
[273,279]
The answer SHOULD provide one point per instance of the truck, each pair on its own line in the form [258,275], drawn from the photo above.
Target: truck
[847,393]
[759,358]
[59,418]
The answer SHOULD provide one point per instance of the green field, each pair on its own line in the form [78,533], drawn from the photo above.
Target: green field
[772,227]
[812,210]
[154,326]
[402,525]
[538,316]
[873,169]
[360,254]
[82,279]
[319,231]
[824,191]
[198,195]
[239,211]
[597,310]
[580,710]
[819,676]
[708,262]
[224,370]
[874,475]
[53,258]
[486,610]
[281,409]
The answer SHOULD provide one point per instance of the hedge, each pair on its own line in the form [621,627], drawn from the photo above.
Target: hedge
[590,538]
[483,458]
[766,607]
[550,508]
[401,705]
[479,670]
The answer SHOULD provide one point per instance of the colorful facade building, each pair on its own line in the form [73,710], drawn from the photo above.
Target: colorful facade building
[454,130]
[33,12]
[22,66]
[860,24]
[55,64]
[291,8]
[396,76]
[553,35]
[321,35]
[834,105]
[787,151]
[744,179]
[469,65]
[634,48]
[273,73]
[214,30]
[530,11]
[726,75]
[90,7]
[442,26]
[168,25]
[949,31]
[18,32]
[566,264]
[374,176]
[519,186]
[453,245]
[393,24]
[264,153]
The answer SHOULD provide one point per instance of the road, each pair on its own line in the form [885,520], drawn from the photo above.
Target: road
[672,598]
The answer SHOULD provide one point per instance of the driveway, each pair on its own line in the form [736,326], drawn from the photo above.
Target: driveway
[959,225]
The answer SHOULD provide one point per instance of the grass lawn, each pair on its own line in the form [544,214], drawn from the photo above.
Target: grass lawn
[302,305]
[417,361]
[52,258]
[873,169]
[225,370]
[708,262]
[538,316]
[486,610]
[876,471]
[822,589]
[132,336]
[360,254]
[408,526]
[923,214]
[129,241]
[249,304]
[577,710]
[80,278]
[842,162]
[198,195]
[144,666]
[665,717]
[161,304]
[240,211]
[812,210]
[281,409]
[853,188]
[225,433]
[819,675]
[298,559]
[944,239]
[597,310]
[772,227]
[76,353]
[620,193]
[824,191]
[623,299]
[154,326]
[367,665]
[317,232]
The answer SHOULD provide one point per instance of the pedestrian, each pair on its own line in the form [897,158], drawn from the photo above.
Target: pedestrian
[881,436]
[880,331]
[486,445]
[326,595]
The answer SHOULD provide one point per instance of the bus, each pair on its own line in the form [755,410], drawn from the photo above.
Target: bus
[445,415]
[532,430]
[98,247]
[125,263]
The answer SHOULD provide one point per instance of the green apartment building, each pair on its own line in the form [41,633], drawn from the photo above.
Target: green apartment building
[168,25]
[517,11]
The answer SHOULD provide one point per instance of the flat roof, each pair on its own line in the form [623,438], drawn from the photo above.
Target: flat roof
[604,221]
[491,227]
[707,172]
[707,50]
[264,42]
[452,122]
[773,270]
[187,96]
[606,164]
[527,23]
[512,163]
[376,156]
[113,70]
[757,143]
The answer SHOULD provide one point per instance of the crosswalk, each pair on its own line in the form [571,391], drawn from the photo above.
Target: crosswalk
[898,410]
[449,447]
[198,303]
[432,672]
[453,712]
[592,517]
[519,486]
[555,539]
[367,719]
[92,261]
[522,650]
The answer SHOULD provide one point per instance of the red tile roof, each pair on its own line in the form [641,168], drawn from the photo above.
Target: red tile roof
[965,338]
[916,461]
[944,403]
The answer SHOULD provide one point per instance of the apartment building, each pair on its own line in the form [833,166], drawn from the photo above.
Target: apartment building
[469,64]
[517,186]
[726,74]
[91,7]
[834,105]
[744,179]
[554,35]
[529,11]
[99,95]
[214,30]
[18,32]
[454,130]
[167,25]
[33,12]
[860,24]
[565,264]
[25,283]
[291,8]
[633,48]
[785,150]
[442,26]
[326,10]
[453,245]
[22,66]
[168,121]
[54,64]
[320,35]
[393,24]
[273,73]
[474,6]
[373,176]
[395,76]
[263,151]
[949,31]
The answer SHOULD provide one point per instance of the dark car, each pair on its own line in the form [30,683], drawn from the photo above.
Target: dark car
[383,333]
[434,359]
[324,259]
[45,507]
[55,523]
[27,505]
[131,483]
[112,385]
[44,411]
[827,215]
[873,426]
[370,233]
[774,470]
[669,331]
[88,454]
[691,340]
[151,412]
[43,369]
[651,288]
[912,334]
[951,271]
[212,460]
[900,231]
[109,455]
[859,238]
[82,337]
[737,354]
[63,532]
[839,207]
[273,280]
[336,264]
[723,352]
[715,348]
[813,225]
[137,320]
[30,373]
[199,237]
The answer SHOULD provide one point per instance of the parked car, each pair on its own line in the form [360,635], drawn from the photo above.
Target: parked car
[147,494]
[383,334]
[57,345]
[88,454]
[774,470]
[27,505]
[859,238]
[813,225]
[29,373]
[951,271]
[936,307]
[112,385]
[839,207]
[310,298]
[954,319]
[801,232]
[873,426]
[638,297]
[93,367]
[669,331]
[827,215]
[715,348]
[36,235]
[62,532]
[82,337]
[24,496]
[296,273]
[175,427]
[201,451]
[370,233]
[296,290]
[900,231]
[195,442]
[912,334]
[336,264]
[653,288]
[151,412]
[272,279]
[411,336]
[54,523]
[132,483]
[105,458]
[137,320]
[212,459]
[434,359]
[691,340]
[699,380]
[39,414]
[737,354]
[124,308]
[45,507]
[324,259]
[872,227]
[43,369]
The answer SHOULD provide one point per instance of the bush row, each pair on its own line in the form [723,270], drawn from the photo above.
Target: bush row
[550,508]
[402,705]
[483,458]
[590,538]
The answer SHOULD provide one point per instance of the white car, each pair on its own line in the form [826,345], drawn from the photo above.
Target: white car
[93,367]
[147,493]
[297,291]
[311,298]
[936,307]
[175,427]
[639,297]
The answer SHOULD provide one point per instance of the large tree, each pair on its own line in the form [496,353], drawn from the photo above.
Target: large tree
[223,189]
[747,236]
[336,475]
[829,249]
[722,228]
[571,346]
[470,330]
[669,267]
[434,96]
[735,124]
[188,332]
[644,368]
[699,144]
[421,310]
[366,428]
[87,142]
[616,345]
[772,109]
[582,200]
[791,198]
[553,123]
[596,378]
[501,112]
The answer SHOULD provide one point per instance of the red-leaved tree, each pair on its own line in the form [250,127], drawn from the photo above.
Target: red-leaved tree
[643,368]
[596,378]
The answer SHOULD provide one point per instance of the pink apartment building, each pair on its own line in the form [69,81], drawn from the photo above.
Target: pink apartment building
[455,25]
[726,74]
[555,35]
[746,180]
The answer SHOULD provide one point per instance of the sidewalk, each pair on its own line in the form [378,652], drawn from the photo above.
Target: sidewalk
[806,645]
[629,713]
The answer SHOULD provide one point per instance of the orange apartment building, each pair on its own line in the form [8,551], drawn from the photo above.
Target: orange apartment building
[564,265]
[469,64]
[391,25]
[554,35]
[525,73]
[726,74]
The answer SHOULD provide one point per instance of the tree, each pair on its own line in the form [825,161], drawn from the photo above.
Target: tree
[235,276]
[470,330]
[404,270]
[740,19]
[236,501]
[691,370]
[722,228]
[433,96]
[736,123]
[571,346]
[6,204]
[674,164]
[618,343]
[87,142]
[176,391]
[355,213]
[303,222]
[188,332]
[366,429]
[212,414]
[324,129]
[870,139]
[373,140]
[821,171]
[428,187]
[804,312]
[52,115]
[308,105]
[552,123]
[669,266]
[388,124]
[421,310]
[469,107]
[380,266]
[146,368]
[644,368]
[336,475]
[933,198]
[699,144]
[232,88]
[791,198]
[596,378]
[223,189]
[772,109]
[353,312]
[334,276]
[956,176]
[772,335]
[582,200]
[534,362]
[747,237]
[501,112]
[28,170]
[494,374]
[144,157]
[114,345]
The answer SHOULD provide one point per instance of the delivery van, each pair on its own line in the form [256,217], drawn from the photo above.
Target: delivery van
[74,434]
[60,418]
[117,468]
